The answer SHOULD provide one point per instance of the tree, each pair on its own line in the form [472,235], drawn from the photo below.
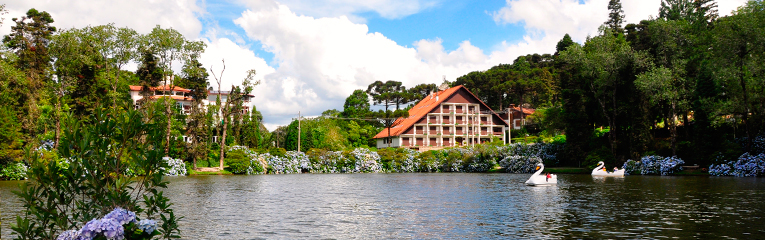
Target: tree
[563,44]
[608,67]
[149,74]
[196,76]
[388,93]
[169,45]
[693,11]
[667,84]
[29,40]
[233,104]
[738,53]
[356,105]
[615,16]
[421,91]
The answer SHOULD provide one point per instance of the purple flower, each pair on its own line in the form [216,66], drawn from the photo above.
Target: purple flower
[112,229]
[147,225]
[69,235]
[121,215]
[91,229]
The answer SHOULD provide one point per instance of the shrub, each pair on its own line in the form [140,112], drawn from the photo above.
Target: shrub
[176,167]
[57,199]
[118,224]
[746,166]
[519,164]
[277,152]
[14,171]
[654,165]
[238,161]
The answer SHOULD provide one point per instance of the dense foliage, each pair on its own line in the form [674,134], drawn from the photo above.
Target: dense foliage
[654,165]
[514,158]
[746,166]
[89,176]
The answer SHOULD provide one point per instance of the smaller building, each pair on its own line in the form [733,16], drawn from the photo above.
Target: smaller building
[516,117]
[183,98]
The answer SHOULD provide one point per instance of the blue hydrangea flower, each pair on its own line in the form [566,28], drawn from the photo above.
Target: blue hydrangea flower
[147,225]
[121,215]
[112,229]
[91,229]
[69,235]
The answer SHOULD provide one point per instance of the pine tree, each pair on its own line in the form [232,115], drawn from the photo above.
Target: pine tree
[615,17]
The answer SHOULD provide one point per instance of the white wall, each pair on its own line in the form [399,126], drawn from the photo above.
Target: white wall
[396,142]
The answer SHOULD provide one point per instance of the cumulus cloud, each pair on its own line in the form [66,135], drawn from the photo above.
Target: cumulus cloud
[390,9]
[322,60]
[141,15]
[554,18]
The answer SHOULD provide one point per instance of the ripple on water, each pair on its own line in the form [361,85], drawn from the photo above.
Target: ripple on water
[445,205]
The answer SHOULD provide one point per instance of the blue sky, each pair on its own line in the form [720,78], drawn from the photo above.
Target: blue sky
[311,54]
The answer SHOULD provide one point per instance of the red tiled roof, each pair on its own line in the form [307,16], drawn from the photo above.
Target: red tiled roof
[526,111]
[422,109]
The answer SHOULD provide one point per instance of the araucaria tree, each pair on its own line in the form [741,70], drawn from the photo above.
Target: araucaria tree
[29,40]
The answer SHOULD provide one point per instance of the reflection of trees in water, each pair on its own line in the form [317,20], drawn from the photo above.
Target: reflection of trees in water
[653,206]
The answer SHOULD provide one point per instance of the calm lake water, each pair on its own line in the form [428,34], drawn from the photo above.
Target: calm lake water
[436,205]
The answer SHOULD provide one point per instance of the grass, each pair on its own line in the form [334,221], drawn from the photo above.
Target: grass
[224,172]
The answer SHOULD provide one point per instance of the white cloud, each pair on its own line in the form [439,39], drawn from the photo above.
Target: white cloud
[390,9]
[141,15]
[322,60]
[554,18]
[726,7]
[238,60]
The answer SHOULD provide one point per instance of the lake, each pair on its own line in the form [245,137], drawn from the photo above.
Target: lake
[457,205]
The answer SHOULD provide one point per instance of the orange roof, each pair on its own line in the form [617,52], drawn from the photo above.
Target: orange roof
[160,88]
[527,111]
[422,109]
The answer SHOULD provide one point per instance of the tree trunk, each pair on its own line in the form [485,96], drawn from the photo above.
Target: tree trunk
[223,141]
[742,80]
[167,133]
[673,130]
[58,124]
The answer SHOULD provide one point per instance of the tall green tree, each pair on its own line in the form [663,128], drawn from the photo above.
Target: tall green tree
[356,105]
[196,127]
[29,40]
[233,104]
[609,65]
[667,84]
[615,16]
[738,54]
[387,94]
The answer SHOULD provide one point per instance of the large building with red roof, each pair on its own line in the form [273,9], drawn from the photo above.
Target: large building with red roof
[447,118]
[183,98]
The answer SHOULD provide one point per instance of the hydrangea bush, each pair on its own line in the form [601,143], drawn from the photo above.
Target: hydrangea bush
[116,225]
[746,166]
[654,165]
[92,175]
[14,171]
[516,158]
[520,164]
[175,167]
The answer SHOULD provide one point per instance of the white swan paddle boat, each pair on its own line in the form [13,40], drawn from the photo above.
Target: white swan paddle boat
[541,180]
[600,170]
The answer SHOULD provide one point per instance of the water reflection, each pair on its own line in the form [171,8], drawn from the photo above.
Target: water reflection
[457,206]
